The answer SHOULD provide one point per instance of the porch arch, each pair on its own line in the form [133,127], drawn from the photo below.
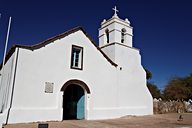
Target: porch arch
[74,99]
[77,82]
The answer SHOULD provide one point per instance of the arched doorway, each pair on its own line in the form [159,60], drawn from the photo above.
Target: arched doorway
[74,99]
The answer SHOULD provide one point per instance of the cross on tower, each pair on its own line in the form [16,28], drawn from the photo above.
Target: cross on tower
[115,10]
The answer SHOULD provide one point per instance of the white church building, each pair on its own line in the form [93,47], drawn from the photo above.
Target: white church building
[69,77]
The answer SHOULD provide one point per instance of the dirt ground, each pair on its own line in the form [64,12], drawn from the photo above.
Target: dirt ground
[153,121]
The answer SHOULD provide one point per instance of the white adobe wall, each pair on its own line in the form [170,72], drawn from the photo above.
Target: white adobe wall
[123,55]
[6,84]
[52,64]
[111,88]
[133,95]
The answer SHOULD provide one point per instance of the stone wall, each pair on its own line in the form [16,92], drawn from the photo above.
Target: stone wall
[160,106]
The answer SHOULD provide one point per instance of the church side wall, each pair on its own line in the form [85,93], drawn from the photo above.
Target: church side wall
[6,84]
[52,64]
[110,52]
[132,77]
[134,97]
[136,100]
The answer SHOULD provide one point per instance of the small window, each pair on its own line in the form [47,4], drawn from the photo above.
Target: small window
[123,35]
[77,57]
[107,35]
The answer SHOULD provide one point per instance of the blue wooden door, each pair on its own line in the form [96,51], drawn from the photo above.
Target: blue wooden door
[80,108]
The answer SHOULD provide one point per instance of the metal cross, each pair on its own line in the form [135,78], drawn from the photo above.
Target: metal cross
[115,9]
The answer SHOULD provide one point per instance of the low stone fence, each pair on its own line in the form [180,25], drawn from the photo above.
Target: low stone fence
[160,106]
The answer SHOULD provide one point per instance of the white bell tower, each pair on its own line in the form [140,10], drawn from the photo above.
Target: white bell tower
[115,30]
[115,40]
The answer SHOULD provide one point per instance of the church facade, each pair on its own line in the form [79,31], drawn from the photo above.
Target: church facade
[69,77]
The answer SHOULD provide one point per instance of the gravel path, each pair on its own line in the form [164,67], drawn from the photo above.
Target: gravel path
[154,121]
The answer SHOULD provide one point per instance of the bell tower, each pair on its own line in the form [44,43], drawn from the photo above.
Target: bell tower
[115,30]
[115,39]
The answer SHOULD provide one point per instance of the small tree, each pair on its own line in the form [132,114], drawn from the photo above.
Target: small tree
[188,82]
[155,92]
[148,74]
[178,89]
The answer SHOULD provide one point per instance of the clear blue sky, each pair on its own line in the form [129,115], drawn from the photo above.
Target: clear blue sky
[162,28]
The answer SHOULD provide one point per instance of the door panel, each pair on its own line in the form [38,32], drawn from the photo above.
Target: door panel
[80,108]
